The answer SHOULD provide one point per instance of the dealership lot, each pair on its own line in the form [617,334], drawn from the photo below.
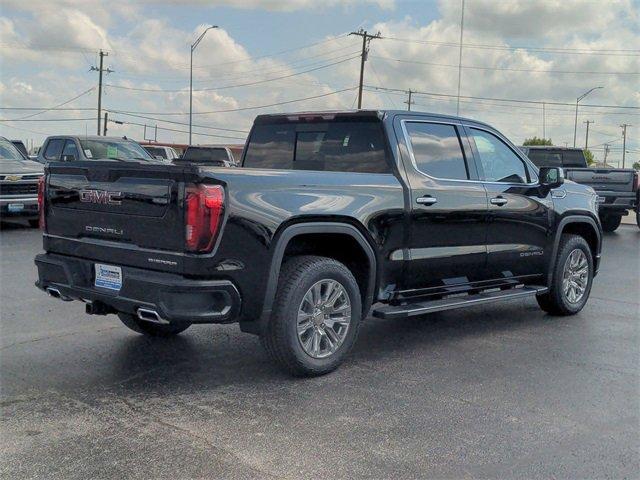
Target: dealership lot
[496,391]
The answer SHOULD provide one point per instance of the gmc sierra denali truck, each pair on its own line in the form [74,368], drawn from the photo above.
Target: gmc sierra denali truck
[333,216]
[617,188]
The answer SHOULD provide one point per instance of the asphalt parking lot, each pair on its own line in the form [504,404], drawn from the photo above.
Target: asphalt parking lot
[491,392]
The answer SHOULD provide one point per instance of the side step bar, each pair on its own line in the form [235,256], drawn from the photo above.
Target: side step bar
[430,306]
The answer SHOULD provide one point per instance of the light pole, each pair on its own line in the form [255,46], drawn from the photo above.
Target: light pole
[193,47]
[575,127]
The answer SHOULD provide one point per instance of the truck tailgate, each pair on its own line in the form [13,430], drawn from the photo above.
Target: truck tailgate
[613,180]
[97,208]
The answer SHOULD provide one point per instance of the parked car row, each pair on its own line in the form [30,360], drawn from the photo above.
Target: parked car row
[19,183]
[617,189]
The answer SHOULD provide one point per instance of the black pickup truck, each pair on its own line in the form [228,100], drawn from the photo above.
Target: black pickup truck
[617,188]
[334,215]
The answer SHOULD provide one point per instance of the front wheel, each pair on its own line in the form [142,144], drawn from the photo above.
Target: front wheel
[152,329]
[610,222]
[572,278]
[316,316]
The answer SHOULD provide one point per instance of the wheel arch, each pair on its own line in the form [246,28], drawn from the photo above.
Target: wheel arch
[581,225]
[289,234]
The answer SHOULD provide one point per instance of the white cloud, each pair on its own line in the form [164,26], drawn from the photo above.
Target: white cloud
[278,5]
[153,53]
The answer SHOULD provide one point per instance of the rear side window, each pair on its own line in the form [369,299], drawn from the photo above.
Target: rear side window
[54,149]
[334,146]
[216,155]
[574,158]
[437,150]
[70,149]
[542,158]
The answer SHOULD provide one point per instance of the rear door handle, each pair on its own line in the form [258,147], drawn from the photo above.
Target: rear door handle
[499,201]
[426,200]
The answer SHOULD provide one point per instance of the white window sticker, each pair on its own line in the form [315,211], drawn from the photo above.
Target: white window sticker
[88,153]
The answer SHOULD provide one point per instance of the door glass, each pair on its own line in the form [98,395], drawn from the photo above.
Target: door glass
[499,162]
[437,150]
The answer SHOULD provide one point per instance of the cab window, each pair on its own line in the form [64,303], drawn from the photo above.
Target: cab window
[499,163]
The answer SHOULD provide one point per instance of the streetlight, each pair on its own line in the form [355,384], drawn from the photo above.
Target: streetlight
[575,127]
[193,47]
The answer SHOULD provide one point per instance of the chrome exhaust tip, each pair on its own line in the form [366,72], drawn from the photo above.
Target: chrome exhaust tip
[55,293]
[149,315]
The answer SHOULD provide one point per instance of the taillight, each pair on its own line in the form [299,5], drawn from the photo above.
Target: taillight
[636,178]
[41,183]
[204,207]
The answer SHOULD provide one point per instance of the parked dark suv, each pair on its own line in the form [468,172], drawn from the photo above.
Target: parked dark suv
[334,215]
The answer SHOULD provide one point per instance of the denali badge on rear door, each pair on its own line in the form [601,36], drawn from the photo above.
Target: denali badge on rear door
[101,197]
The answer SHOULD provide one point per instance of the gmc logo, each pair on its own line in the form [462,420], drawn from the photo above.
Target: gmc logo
[101,197]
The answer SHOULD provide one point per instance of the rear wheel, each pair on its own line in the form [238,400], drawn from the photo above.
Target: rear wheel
[316,316]
[152,329]
[610,222]
[572,277]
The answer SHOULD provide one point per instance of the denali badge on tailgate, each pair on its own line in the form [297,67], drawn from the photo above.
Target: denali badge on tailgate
[101,196]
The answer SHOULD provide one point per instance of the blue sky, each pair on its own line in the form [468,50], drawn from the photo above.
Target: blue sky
[49,45]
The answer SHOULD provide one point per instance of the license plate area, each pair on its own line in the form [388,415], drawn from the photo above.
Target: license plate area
[108,276]
[15,207]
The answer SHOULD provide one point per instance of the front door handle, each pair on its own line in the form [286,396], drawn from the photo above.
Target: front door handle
[426,200]
[499,201]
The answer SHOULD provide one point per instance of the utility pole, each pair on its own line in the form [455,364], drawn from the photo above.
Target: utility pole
[366,39]
[586,138]
[624,140]
[409,102]
[606,153]
[460,58]
[106,119]
[100,70]
[544,133]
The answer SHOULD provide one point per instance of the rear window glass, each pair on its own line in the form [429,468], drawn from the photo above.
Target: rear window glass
[113,149]
[214,155]
[335,146]
[156,151]
[54,149]
[437,150]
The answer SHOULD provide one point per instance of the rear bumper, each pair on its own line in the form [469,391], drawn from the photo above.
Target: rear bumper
[610,202]
[173,297]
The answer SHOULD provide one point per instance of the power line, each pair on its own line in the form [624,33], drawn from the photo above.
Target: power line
[253,107]
[572,51]
[506,69]
[120,112]
[44,119]
[125,122]
[537,102]
[223,87]
[44,110]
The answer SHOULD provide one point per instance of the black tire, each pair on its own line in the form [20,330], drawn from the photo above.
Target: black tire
[34,223]
[152,329]
[555,301]
[280,338]
[610,222]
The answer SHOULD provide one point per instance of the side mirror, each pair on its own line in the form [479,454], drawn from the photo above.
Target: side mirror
[551,177]
[68,158]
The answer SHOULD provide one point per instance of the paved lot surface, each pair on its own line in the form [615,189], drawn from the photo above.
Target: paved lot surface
[493,392]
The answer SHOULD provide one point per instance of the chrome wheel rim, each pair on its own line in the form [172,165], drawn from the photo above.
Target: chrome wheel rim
[323,319]
[575,276]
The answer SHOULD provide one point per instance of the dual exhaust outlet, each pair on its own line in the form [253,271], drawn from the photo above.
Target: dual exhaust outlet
[145,314]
